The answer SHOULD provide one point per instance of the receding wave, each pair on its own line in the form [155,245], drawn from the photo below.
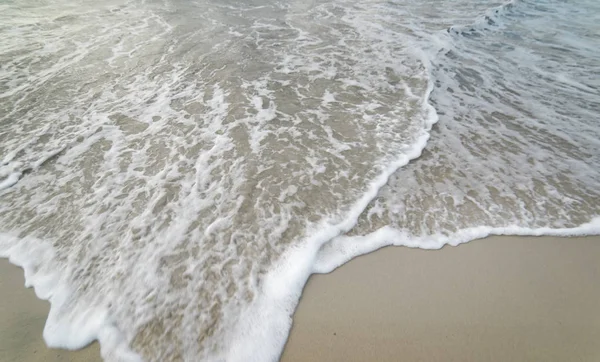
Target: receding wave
[173,171]
[161,169]
[515,150]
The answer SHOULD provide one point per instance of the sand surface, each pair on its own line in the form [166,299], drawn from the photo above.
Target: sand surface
[498,299]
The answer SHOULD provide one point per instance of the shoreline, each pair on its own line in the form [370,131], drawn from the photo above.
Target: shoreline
[22,320]
[500,298]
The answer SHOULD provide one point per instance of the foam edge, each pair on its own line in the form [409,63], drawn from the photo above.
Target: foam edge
[67,326]
[263,331]
[342,249]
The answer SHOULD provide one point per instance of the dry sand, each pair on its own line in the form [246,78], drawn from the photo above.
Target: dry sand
[498,299]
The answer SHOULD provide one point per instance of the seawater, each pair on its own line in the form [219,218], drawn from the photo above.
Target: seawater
[173,171]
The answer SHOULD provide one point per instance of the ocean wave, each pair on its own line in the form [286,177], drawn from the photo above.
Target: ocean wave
[170,183]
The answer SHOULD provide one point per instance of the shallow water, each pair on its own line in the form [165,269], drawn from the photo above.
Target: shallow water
[172,171]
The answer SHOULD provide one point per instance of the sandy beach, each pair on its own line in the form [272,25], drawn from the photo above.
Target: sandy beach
[22,319]
[497,299]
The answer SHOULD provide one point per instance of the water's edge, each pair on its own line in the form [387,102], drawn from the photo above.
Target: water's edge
[261,327]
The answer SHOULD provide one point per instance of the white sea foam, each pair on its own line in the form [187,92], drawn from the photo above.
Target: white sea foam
[179,164]
[264,326]
[9,180]
[85,325]
[343,249]
[171,182]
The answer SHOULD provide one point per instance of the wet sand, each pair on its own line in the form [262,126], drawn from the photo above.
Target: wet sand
[498,299]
